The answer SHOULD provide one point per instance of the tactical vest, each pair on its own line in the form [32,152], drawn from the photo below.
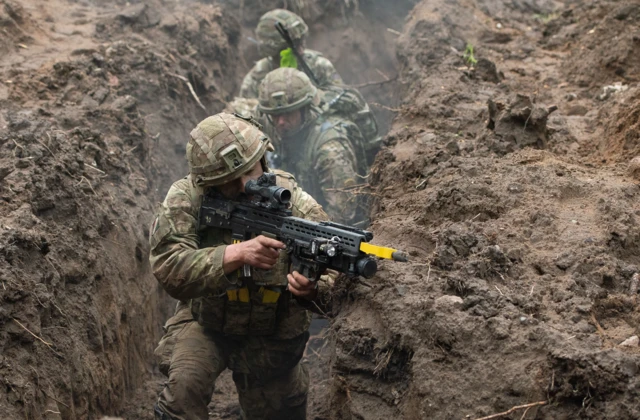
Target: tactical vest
[256,305]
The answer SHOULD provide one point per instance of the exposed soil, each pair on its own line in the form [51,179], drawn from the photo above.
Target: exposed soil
[93,118]
[523,243]
[506,181]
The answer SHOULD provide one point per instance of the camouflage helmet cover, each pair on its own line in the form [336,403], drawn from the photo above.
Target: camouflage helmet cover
[224,147]
[284,90]
[269,39]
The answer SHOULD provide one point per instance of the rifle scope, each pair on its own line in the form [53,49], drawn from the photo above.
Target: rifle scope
[265,187]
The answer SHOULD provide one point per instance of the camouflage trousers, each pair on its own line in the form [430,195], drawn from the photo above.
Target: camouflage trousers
[271,381]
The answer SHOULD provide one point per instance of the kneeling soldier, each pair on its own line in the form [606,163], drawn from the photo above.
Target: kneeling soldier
[257,331]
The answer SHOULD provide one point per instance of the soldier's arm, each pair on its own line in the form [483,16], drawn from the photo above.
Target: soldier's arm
[302,204]
[184,270]
[306,207]
[336,167]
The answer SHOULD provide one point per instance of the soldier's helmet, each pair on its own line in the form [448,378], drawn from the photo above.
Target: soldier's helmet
[222,148]
[270,42]
[284,90]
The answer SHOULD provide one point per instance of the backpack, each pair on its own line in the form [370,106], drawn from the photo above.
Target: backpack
[348,103]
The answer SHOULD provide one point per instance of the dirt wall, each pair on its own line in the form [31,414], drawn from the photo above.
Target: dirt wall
[504,179]
[520,286]
[95,103]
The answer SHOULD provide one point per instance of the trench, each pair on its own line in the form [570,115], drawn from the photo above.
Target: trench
[505,179]
[96,104]
[364,55]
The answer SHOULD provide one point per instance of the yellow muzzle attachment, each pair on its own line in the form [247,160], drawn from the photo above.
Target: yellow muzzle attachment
[383,252]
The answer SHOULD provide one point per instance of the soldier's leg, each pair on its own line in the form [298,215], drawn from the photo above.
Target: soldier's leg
[277,384]
[196,363]
[280,397]
[171,329]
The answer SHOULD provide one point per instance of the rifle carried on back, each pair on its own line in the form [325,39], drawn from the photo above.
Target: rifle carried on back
[284,32]
[313,246]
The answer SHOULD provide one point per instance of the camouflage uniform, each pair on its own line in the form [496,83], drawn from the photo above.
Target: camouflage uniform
[324,158]
[349,104]
[322,69]
[243,106]
[326,155]
[271,43]
[262,342]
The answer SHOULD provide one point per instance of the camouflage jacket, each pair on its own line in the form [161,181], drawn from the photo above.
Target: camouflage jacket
[327,158]
[322,69]
[189,267]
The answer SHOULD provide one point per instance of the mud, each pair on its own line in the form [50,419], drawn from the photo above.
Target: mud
[93,119]
[522,242]
[506,181]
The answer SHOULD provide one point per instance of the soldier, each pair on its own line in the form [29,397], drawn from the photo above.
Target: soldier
[271,44]
[325,153]
[262,342]
[243,106]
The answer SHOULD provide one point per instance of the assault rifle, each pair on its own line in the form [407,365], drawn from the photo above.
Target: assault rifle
[313,247]
[284,33]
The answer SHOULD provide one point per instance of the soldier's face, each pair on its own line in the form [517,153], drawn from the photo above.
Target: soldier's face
[287,123]
[233,189]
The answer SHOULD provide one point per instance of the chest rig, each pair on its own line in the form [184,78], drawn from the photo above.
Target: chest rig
[254,301]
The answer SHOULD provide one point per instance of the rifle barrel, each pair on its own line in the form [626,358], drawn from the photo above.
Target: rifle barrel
[284,33]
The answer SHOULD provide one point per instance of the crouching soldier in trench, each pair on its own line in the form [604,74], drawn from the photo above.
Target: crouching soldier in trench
[234,328]
[326,153]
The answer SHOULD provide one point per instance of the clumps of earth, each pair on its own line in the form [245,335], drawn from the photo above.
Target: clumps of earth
[95,102]
[521,293]
[509,179]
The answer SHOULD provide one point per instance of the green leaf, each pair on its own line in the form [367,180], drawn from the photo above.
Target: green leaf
[288,59]
[468,56]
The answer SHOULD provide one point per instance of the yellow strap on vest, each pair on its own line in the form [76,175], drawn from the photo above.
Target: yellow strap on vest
[269,295]
[378,251]
[232,295]
[235,295]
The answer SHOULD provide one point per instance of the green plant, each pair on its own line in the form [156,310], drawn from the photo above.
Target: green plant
[468,56]
[545,17]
